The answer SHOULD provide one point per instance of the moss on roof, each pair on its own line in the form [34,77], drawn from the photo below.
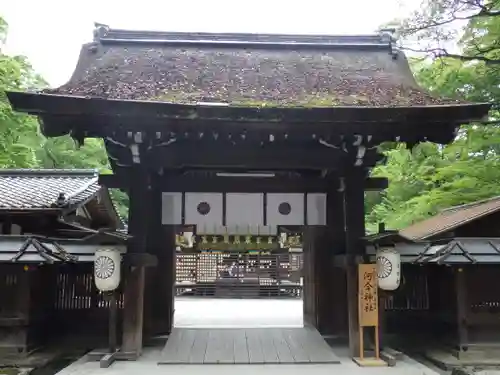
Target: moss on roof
[247,76]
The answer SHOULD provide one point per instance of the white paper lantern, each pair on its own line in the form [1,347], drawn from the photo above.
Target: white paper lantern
[107,264]
[388,268]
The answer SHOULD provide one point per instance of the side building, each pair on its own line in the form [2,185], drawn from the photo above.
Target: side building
[448,295]
[51,223]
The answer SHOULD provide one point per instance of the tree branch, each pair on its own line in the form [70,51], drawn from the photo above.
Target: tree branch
[483,11]
[441,52]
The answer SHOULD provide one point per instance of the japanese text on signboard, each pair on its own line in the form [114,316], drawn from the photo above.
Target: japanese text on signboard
[368,297]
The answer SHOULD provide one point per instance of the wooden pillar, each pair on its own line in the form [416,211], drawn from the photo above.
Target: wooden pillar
[18,337]
[461,293]
[330,287]
[159,294]
[133,312]
[162,288]
[355,246]
[166,278]
[135,275]
[382,298]
[308,287]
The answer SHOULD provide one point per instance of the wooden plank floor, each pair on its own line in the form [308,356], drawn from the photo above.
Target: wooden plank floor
[246,346]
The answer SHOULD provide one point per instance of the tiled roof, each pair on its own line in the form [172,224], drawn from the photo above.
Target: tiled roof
[450,219]
[387,237]
[27,189]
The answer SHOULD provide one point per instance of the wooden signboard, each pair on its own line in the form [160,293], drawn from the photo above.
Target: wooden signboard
[368,312]
[368,295]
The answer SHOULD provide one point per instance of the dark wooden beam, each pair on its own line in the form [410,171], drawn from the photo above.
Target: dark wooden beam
[309,288]
[331,314]
[220,156]
[264,158]
[160,282]
[134,276]
[133,311]
[346,260]
[244,184]
[461,295]
[138,189]
[378,131]
[137,110]
[355,246]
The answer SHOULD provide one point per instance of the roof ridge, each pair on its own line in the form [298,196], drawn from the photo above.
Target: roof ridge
[441,229]
[44,189]
[381,40]
[34,172]
[450,226]
[471,204]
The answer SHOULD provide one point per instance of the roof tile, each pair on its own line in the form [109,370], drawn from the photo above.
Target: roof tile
[38,188]
[450,219]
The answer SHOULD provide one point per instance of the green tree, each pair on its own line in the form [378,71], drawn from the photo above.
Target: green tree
[438,24]
[19,135]
[432,177]
[22,145]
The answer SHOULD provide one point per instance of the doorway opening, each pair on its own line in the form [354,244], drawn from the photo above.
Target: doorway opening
[238,279]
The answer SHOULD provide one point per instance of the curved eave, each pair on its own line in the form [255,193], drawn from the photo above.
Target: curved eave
[61,105]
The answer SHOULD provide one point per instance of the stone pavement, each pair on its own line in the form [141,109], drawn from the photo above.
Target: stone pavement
[234,314]
[147,365]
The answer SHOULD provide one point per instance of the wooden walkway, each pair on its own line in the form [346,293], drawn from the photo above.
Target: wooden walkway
[246,346]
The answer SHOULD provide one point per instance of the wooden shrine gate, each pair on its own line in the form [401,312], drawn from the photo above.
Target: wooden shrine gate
[293,121]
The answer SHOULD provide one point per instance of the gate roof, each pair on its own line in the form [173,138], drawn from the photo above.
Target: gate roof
[247,70]
[251,77]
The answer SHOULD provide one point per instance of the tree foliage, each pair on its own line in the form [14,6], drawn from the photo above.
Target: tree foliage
[422,181]
[432,177]
[22,145]
[438,24]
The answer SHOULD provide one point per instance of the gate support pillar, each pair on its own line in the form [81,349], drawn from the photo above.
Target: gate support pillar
[331,291]
[309,287]
[355,246]
[324,285]
[159,294]
[135,275]
[133,312]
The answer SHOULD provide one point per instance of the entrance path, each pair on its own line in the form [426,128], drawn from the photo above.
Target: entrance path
[217,313]
[148,365]
[237,313]
[246,346]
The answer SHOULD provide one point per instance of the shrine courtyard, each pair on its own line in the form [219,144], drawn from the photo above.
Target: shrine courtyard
[238,314]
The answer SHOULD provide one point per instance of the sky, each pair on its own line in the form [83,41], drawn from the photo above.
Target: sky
[50,32]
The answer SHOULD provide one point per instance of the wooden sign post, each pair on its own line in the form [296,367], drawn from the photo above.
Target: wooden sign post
[368,312]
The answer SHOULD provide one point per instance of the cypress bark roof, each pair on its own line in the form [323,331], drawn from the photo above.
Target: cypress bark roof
[246,69]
